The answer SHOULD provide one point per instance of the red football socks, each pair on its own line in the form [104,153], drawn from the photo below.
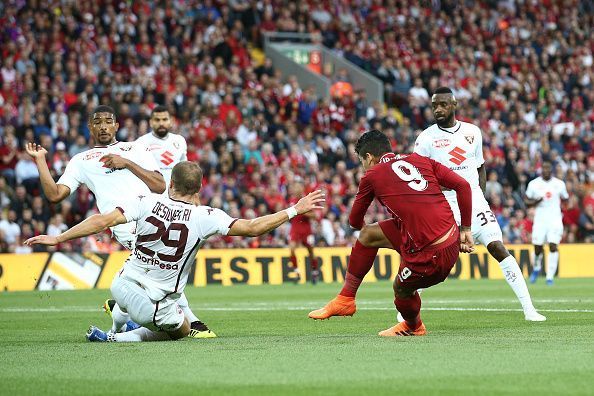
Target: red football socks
[360,262]
[410,308]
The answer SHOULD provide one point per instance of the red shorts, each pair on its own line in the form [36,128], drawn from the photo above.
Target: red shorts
[305,238]
[427,267]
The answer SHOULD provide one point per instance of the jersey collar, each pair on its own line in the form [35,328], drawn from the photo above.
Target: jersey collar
[179,200]
[386,157]
[453,129]
[111,144]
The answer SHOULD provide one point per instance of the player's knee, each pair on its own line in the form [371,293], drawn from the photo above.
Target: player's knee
[400,291]
[497,250]
[365,236]
[553,247]
[143,315]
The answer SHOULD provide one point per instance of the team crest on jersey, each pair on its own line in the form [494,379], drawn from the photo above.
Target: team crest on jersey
[126,148]
[469,138]
[440,143]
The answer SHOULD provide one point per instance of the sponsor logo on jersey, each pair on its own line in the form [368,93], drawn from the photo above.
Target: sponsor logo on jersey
[457,155]
[154,261]
[440,143]
[167,158]
[92,155]
[548,195]
[126,148]
[469,138]
[176,145]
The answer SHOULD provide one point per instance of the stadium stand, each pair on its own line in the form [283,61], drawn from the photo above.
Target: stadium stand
[522,71]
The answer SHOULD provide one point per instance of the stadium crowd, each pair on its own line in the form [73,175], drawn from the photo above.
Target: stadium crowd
[522,71]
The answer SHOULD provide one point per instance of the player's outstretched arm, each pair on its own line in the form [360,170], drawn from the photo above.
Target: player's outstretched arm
[91,225]
[54,192]
[153,179]
[262,225]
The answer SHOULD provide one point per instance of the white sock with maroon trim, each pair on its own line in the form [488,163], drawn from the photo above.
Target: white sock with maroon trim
[141,334]
[515,279]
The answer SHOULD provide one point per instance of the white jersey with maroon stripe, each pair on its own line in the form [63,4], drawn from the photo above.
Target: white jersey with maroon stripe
[460,148]
[169,234]
[168,151]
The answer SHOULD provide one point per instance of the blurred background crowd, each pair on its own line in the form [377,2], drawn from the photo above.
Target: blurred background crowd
[521,70]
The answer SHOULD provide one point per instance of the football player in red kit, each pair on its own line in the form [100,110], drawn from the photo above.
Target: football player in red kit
[422,230]
[301,234]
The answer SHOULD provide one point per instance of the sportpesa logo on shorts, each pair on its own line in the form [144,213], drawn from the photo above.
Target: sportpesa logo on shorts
[154,261]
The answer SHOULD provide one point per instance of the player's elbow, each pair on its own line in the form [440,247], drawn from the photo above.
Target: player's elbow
[355,223]
[53,198]
[102,223]
[159,187]
[256,231]
[253,229]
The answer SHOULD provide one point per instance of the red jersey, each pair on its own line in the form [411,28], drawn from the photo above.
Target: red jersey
[300,224]
[409,187]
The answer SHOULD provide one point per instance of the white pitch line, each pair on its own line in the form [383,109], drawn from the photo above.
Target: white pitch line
[431,301]
[295,308]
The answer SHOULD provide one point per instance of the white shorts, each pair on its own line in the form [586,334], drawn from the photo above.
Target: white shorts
[125,234]
[485,228]
[163,315]
[547,232]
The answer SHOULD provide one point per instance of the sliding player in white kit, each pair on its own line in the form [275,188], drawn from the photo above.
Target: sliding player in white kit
[171,230]
[546,193]
[110,169]
[459,146]
[167,149]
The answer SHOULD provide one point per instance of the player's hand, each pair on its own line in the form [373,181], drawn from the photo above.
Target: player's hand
[35,151]
[313,200]
[466,240]
[42,240]
[114,161]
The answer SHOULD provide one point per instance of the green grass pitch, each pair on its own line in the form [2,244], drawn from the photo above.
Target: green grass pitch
[478,343]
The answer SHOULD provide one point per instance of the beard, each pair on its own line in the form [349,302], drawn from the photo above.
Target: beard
[446,122]
[162,132]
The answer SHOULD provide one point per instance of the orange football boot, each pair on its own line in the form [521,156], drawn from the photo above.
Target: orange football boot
[339,306]
[402,329]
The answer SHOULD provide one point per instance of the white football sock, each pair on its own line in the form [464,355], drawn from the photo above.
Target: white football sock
[538,261]
[185,306]
[119,319]
[515,279]
[141,334]
[553,261]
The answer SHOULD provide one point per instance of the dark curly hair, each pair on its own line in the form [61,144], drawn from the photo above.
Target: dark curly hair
[373,142]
